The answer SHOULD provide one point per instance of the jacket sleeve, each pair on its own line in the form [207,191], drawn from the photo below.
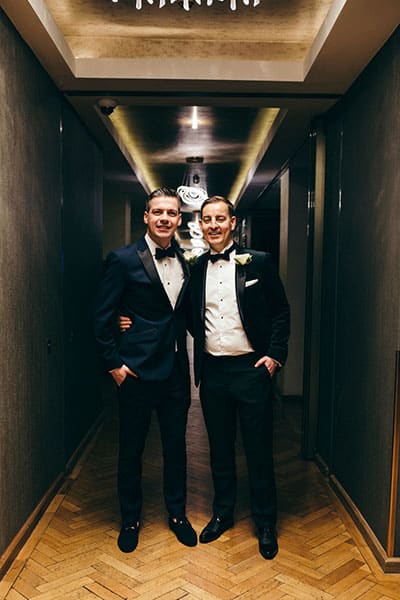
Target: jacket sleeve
[105,310]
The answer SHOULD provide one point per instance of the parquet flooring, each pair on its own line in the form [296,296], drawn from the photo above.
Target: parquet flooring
[72,554]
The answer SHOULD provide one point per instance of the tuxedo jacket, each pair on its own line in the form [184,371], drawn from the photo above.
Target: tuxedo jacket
[132,287]
[262,304]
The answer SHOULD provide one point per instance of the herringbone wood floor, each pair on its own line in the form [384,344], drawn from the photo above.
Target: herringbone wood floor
[72,554]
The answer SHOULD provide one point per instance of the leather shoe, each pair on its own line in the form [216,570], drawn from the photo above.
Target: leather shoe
[267,542]
[128,538]
[183,530]
[214,529]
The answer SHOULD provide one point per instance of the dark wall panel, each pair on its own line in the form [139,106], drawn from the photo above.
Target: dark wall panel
[31,346]
[82,253]
[329,284]
[366,228]
[40,424]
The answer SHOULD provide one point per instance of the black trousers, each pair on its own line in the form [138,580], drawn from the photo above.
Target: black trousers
[232,387]
[171,401]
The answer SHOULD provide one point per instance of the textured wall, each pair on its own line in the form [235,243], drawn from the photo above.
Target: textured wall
[31,407]
[361,287]
[116,218]
[35,439]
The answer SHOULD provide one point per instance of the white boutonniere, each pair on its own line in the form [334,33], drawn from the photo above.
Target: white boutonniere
[190,256]
[243,259]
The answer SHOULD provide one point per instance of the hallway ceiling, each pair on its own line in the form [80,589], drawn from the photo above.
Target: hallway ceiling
[258,77]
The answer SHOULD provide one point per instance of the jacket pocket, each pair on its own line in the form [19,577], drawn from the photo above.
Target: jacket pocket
[131,337]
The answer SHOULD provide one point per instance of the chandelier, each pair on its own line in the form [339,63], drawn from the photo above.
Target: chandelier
[187,4]
[193,190]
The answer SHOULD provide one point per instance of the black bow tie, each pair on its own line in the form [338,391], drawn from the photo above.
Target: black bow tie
[223,256]
[164,252]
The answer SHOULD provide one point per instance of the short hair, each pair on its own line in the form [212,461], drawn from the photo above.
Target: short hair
[214,200]
[163,191]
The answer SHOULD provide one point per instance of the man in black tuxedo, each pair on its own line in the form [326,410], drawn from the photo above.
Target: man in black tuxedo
[146,281]
[241,329]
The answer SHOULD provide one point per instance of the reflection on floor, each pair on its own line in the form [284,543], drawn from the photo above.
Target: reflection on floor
[73,554]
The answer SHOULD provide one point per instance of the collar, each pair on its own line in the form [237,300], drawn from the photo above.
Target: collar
[152,245]
[227,247]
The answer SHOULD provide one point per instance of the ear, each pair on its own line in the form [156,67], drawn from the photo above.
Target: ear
[180,220]
[233,223]
[146,217]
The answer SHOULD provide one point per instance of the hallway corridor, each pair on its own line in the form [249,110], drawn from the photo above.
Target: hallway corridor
[73,555]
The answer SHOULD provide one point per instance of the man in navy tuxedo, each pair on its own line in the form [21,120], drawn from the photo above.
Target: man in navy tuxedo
[241,329]
[146,281]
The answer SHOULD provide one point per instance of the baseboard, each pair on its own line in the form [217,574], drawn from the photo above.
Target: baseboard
[388,564]
[321,464]
[60,485]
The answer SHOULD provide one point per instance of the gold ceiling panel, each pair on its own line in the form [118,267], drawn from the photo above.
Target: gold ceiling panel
[281,29]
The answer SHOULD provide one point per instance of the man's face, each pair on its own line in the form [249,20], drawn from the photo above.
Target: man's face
[217,225]
[162,219]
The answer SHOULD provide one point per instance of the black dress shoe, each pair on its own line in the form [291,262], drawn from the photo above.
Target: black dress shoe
[214,529]
[128,538]
[267,542]
[183,530]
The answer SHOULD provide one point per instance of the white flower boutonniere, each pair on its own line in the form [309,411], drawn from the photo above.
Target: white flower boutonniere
[243,259]
[190,256]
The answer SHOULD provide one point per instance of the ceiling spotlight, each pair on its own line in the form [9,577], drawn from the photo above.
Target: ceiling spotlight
[195,118]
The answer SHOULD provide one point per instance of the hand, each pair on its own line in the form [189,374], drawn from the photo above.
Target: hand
[269,363]
[124,323]
[119,375]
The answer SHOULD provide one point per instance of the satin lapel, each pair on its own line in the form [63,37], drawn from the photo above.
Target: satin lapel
[186,272]
[148,264]
[202,285]
[240,286]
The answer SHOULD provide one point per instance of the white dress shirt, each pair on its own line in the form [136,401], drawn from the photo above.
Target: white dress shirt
[225,335]
[169,270]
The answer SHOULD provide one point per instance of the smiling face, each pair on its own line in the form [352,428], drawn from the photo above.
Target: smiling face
[162,219]
[217,225]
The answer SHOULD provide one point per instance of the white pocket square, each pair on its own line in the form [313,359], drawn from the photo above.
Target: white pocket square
[250,282]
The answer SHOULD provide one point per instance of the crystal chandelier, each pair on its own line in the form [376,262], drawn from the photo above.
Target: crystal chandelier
[187,4]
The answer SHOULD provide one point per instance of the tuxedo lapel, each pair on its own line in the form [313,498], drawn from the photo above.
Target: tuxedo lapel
[203,282]
[185,268]
[148,264]
[240,285]
[199,284]
[240,279]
